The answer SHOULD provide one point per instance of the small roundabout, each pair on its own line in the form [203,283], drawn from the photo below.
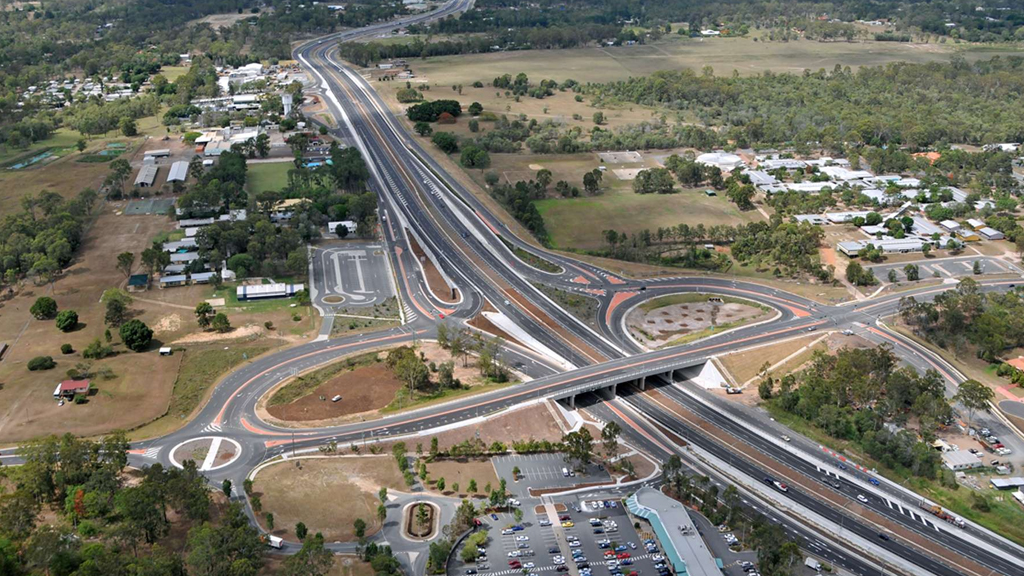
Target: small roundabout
[208,452]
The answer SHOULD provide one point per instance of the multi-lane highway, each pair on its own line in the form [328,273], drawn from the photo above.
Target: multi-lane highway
[563,355]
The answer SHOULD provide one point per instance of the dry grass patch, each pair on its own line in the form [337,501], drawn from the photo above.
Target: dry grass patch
[746,364]
[461,471]
[327,494]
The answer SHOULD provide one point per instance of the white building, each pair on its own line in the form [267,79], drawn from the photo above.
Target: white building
[722,160]
[950,225]
[990,233]
[960,460]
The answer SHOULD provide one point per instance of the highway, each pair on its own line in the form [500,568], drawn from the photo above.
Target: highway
[562,355]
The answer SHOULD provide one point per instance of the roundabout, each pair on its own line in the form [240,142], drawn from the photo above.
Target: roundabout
[210,453]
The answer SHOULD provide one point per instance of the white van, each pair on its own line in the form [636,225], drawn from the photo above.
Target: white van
[565,472]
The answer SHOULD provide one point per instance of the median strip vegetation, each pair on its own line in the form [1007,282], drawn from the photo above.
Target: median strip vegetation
[306,384]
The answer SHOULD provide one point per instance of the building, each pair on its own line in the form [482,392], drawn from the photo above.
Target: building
[177,245]
[332,227]
[147,176]
[950,225]
[974,223]
[263,291]
[761,178]
[1007,483]
[960,460]
[160,153]
[195,222]
[904,246]
[816,219]
[722,160]
[179,172]
[990,233]
[138,282]
[785,163]
[176,280]
[682,544]
[71,388]
[184,257]
[1017,362]
[202,277]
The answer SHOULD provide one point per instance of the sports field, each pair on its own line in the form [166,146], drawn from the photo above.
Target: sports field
[267,176]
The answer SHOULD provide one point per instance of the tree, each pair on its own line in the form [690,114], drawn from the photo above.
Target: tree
[475,157]
[382,494]
[67,320]
[41,363]
[233,547]
[270,520]
[155,259]
[515,473]
[598,118]
[80,145]
[128,127]
[455,487]
[301,531]
[610,437]
[973,396]
[262,145]
[765,388]
[926,249]
[471,488]
[912,272]
[654,181]
[359,525]
[382,513]
[204,314]
[116,314]
[475,108]
[225,487]
[446,141]
[220,323]
[313,559]
[892,275]
[592,182]
[135,335]
[43,308]
[977,267]
[423,129]
[120,169]
[440,484]
[579,448]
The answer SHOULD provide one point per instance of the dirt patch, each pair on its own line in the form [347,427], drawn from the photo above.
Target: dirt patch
[533,421]
[436,282]
[659,326]
[327,494]
[195,450]
[243,332]
[420,525]
[362,390]
[170,323]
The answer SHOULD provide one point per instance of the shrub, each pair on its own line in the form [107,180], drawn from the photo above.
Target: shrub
[431,111]
[80,398]
[66,349]
[445,118]
[406,95]
[44,308]
[96,350]
[136,335]
[41,363]
[67,320]
[221,323]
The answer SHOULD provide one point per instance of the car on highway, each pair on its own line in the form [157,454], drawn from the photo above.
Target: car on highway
[862,498]
[874,481]
[786,438]
[884,536]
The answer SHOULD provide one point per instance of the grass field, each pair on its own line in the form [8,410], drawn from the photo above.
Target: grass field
[326,494]
[579,222]
[267,176]
[172,73]
[742,368]
[745,55]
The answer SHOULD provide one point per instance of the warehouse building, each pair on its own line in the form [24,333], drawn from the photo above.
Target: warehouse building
[147,176]
[179,172]
[957,461]
[264,291]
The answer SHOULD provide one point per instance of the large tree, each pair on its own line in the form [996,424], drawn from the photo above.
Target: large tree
[313,559]
[579,448]
[973,396]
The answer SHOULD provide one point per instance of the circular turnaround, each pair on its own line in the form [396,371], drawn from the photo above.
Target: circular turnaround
[333,299]
[420,520]
[208,452]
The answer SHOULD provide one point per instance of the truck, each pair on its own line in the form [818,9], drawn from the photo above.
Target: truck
[812,564]
[272,541]
[938,512]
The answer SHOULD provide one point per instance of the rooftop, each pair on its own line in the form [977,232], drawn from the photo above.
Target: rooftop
[683,545]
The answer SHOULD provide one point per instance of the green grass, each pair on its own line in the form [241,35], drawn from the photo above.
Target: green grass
[582,307]
[231,300]
[535,261]
[306,384]
[1004,517]
[402,402]
[169,236]
[201,368]
[694,298]
[267,176]
[580,222]
[61,139]
[172,73]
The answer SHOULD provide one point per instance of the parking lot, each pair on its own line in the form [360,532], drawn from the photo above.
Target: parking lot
[946,268]
[350,274]
[592,533]
[543,471]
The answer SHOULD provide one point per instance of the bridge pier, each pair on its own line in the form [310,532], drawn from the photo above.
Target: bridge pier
[608,392]
[641,383]
[670,376]
[572,402]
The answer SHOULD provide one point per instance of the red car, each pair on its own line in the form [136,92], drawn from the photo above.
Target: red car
[515,564]
[622,555]
[609,554]
[563,517]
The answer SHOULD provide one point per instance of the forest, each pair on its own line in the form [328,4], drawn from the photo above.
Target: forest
[913,105]
[854,393]
[105,520]
[966,319]
[41,240]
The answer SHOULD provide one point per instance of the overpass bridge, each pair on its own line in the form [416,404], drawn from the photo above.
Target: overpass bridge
[607,386]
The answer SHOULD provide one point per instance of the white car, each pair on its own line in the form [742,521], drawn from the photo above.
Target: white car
[513,554]
[862,498]
[507,532]
[574,544]
[528,565]
[522,538]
